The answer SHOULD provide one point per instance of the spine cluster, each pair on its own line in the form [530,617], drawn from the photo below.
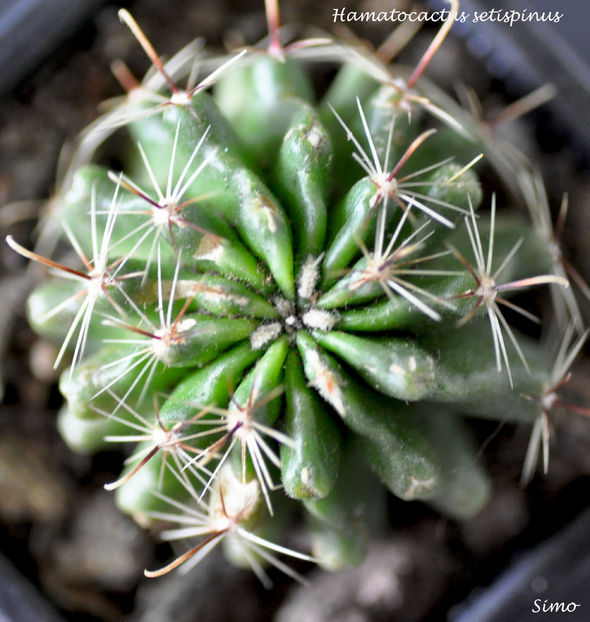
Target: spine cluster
[282,299]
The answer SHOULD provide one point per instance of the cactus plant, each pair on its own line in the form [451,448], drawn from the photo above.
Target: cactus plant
[288,300]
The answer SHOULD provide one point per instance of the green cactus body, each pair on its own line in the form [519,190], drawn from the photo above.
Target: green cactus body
[299,325]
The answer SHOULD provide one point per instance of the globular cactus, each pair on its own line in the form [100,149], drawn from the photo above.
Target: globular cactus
[284,294]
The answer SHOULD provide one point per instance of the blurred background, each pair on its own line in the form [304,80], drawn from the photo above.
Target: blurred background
[66,551]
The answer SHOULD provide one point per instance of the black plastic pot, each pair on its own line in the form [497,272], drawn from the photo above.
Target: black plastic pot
[551,580]
[31,29]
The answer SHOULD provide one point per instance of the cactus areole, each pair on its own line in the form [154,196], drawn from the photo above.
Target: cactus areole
[280,298]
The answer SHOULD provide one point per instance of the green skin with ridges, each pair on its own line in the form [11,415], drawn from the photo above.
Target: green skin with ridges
[372,387]
[310,468]
[301,182]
